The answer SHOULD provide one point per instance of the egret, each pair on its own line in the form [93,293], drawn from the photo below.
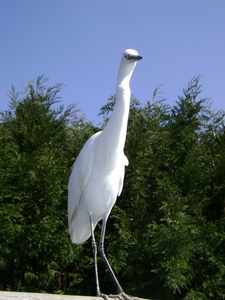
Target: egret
[98,173]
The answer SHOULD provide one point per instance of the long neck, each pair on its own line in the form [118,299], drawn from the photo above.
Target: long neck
[116,128]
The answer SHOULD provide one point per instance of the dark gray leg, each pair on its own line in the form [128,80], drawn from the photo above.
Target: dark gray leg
[94,249]
[103,256]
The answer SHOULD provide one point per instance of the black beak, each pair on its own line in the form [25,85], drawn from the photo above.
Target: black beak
[135,57]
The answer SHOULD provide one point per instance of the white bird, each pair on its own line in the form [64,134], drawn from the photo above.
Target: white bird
[98,172]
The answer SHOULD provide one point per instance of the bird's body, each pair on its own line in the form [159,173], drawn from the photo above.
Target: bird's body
[98,172]
[96,181]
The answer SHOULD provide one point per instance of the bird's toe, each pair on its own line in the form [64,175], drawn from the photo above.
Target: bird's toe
[104,296]
[121,296]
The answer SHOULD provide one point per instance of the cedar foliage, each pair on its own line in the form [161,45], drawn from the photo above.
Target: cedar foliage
[165,236]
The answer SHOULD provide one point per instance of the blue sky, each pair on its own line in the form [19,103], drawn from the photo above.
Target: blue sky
[80,43]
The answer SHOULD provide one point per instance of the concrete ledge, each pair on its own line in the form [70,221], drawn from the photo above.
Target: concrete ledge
[42,296]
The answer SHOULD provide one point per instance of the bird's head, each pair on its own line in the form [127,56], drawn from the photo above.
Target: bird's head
[127,65]
[130,57]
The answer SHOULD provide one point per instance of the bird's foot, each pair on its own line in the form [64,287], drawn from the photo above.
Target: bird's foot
[104,296]
[120,296]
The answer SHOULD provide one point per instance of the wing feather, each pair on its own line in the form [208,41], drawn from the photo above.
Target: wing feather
[79,177]
[125,162]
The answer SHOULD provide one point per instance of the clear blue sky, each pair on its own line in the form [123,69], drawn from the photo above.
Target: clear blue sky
[80,43]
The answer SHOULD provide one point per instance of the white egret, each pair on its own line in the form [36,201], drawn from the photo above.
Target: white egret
[98,172]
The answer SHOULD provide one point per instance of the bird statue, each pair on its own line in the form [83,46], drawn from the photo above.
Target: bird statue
[98,173]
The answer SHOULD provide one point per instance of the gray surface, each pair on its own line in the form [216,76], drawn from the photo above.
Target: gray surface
[40,296]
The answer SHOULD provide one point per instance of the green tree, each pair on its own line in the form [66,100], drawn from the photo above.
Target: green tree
[166,234]
[162,238]
[37,146]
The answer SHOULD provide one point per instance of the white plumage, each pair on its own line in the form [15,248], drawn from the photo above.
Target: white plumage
[98,172]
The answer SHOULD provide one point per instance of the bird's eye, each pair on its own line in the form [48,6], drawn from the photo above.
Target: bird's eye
[126,56]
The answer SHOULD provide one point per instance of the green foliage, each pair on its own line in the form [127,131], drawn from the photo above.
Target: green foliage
[36,150]
[166,235]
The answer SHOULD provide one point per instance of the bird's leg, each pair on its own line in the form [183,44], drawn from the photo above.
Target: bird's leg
[94,249]
[104,258]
